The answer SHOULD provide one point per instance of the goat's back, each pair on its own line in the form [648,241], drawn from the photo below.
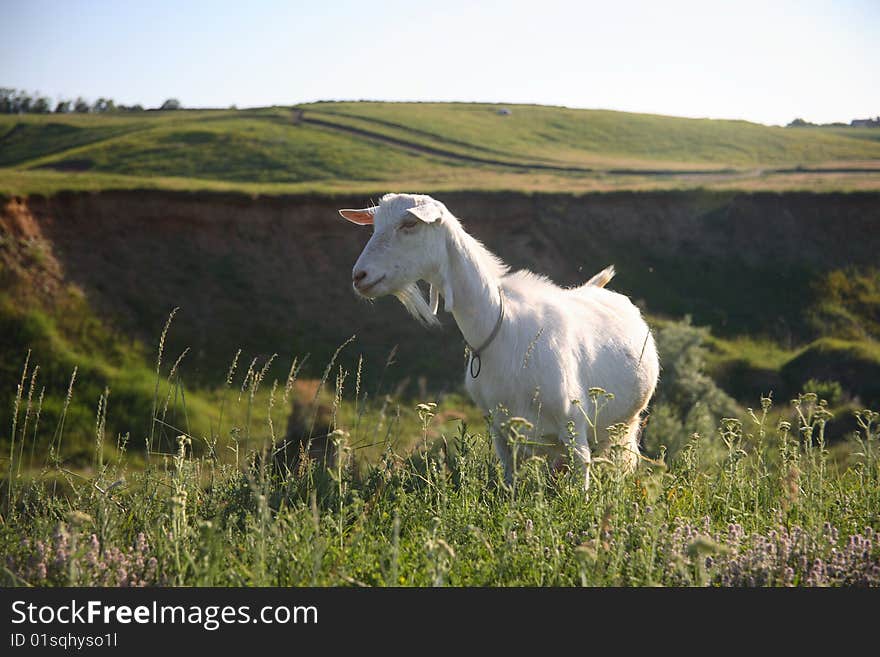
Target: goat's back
[589,336]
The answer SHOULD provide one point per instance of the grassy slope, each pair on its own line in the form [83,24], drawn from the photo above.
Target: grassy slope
[267,151]
[599,137]
[871,134]
[72,343]
[240,149]
[769,509]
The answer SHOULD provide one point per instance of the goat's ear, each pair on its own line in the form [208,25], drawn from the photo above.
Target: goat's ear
[363,217]
[428,212]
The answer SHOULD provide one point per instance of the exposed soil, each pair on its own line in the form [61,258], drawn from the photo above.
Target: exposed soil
[272,274]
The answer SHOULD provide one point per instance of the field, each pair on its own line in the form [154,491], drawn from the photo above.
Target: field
[263,447]
[759,501]
[364,147]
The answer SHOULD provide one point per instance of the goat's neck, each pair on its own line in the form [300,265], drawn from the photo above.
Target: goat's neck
[477,301]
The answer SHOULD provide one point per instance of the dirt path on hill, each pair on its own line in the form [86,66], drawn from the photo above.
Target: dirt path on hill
[303,117]
[520,166]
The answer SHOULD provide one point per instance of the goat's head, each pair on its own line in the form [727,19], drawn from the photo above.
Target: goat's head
[407,245]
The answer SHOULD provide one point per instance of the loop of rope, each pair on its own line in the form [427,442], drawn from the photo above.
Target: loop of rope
[476,362]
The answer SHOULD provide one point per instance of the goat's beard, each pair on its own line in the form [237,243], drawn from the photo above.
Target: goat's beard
[412,299]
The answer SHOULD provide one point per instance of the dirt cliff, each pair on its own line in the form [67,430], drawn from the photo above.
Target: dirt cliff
[272,274]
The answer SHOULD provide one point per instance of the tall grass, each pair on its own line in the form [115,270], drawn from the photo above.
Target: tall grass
[761,500]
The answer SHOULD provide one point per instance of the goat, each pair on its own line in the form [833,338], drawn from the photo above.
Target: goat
[526,335]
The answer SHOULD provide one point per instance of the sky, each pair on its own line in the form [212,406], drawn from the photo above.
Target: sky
[767,62]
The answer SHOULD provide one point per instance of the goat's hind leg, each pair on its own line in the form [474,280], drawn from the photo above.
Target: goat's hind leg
[622,448]
[629,448]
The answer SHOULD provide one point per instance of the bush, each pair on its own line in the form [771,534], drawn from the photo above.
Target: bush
[847,305]
[830,391]
[854,364]
[687,401]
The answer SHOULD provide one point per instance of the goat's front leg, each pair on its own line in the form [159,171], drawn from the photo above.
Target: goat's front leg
[578,444]
[504,453]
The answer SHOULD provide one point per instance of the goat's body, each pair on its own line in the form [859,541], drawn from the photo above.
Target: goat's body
[554,345]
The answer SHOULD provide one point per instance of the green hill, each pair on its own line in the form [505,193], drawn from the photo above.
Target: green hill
[595,138]
[366,145]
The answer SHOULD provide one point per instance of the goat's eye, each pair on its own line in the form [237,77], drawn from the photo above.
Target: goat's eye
[409,225]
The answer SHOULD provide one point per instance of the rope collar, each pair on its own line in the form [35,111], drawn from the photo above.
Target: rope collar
[476,363]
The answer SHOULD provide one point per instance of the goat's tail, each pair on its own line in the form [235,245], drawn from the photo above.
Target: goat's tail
[602,278]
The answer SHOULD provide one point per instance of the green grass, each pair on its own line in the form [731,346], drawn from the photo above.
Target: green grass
[74,339]
[855,364]
[871,134]
[744,366]
[168,485]
[755,503]
[596,137]
[244,151]
[268,150]
[30,140]
[25,182]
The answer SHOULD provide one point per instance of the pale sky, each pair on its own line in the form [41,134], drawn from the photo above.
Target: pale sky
[767,62]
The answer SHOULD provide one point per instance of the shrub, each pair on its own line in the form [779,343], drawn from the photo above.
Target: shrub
[830,391]
[854,364]
[848,304]
[687,400]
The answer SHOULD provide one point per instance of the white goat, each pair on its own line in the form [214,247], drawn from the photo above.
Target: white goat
[536,349]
